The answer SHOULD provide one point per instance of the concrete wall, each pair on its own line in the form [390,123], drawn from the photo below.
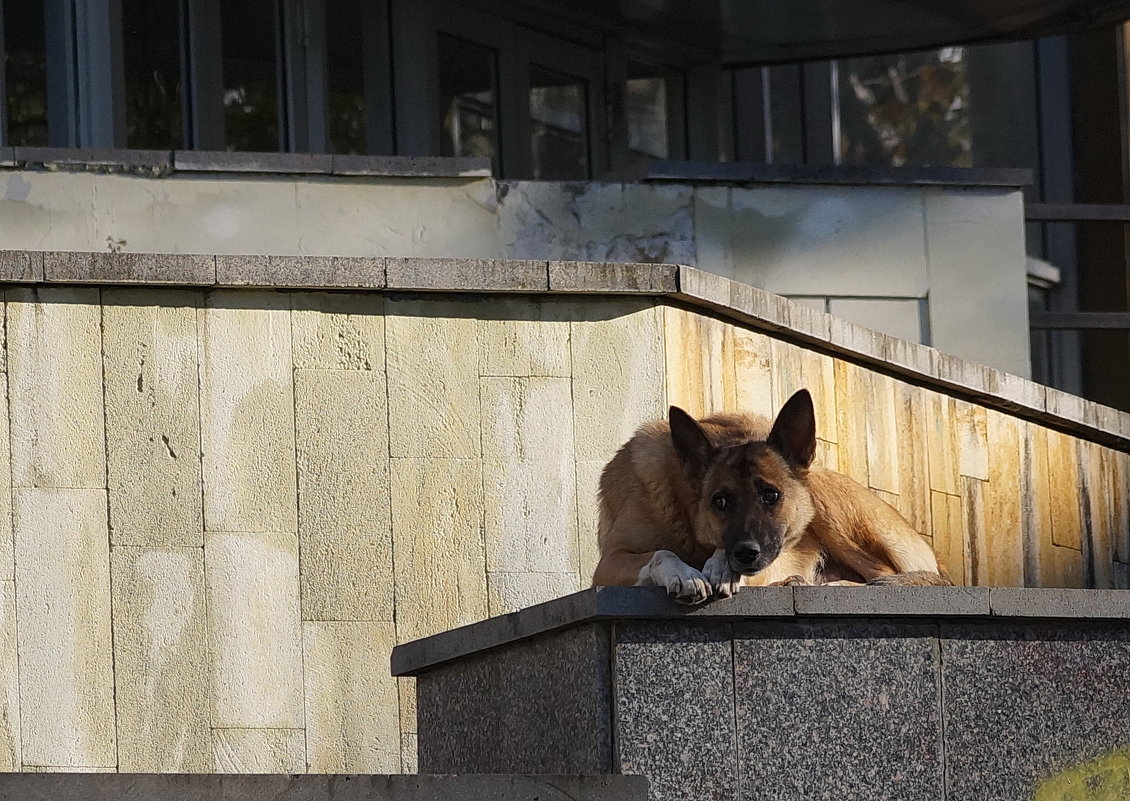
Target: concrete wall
[227,506]
[940,265]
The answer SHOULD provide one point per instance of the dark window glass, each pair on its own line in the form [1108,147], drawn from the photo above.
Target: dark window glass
[785,123]
[468,89]
[345,73]
[911,108]
[559,137]
[251,92]
[651,96]
[25,72]
[151,36]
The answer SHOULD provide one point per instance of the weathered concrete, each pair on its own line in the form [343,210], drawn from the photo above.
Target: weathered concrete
[161,660]
[10,756]
[58,433]
[256,658]
[258,751]
[247,413]
[437,508]
[528,467]
[344,524]
[153,416]
[352,712]
[433,408]
[63,628]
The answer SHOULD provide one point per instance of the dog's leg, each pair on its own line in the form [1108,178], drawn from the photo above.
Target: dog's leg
[723,581]
[685,584]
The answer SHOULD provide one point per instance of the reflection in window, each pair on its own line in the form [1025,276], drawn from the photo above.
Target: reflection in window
[251,99]
[151,44]
[559,126]
[468,89]
[25,72]
[647,106]
[905,109]
[345,75]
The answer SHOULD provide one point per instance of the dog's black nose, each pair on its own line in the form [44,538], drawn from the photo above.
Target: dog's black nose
[746,552]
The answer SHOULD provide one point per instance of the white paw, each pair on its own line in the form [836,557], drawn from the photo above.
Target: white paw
[723,581]
[685,584]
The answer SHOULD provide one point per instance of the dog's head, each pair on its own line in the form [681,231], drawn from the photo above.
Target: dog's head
[753,498]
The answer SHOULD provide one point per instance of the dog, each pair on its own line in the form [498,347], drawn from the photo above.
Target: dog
[703,507]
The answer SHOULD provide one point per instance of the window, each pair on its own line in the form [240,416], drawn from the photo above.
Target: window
[905,109]
[559,126]
[345,102]
[25,72]
[151,36]
[250,75]
[653,107]
[468,89]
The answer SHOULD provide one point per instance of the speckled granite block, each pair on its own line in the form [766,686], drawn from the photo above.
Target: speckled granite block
[543,707]
[1025,705]
[841,709]
[675,708]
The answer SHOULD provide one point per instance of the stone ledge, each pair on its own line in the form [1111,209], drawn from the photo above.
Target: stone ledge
[709,172]
[423,787]
[470,275]
[301,272]
[595,603]
[595,277]
[1060,603]
[21,266]
[898,601]
[161,163]
[178,269]
[148,162]
[651,603]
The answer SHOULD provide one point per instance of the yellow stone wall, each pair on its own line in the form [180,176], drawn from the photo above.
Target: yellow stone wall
[228,506]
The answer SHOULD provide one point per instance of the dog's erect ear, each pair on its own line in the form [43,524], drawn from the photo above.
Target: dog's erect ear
[794,430]
[691,444]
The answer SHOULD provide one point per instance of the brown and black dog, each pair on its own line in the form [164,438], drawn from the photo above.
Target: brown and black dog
[703,507]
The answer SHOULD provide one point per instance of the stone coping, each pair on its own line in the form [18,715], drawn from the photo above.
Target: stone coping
[710,172]
[797,603]
[92,786]
[702,290]
[162,163]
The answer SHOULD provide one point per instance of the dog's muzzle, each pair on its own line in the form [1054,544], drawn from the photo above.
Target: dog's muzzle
[746,558]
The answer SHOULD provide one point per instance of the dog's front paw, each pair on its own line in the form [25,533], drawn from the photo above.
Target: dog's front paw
[690,587]
[685,584]
[723,581]
[791,581]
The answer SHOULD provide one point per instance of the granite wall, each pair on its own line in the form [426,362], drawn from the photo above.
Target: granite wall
[907,695]
[225,506]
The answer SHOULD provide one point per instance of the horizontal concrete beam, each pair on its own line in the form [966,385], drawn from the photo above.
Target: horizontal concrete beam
[739,302]
[652,603]
[204,787]
[162,163]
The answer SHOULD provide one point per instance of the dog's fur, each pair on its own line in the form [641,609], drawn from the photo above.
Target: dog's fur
[702,507]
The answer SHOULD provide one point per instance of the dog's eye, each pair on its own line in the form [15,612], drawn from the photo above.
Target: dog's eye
[770,496]
[719,501]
